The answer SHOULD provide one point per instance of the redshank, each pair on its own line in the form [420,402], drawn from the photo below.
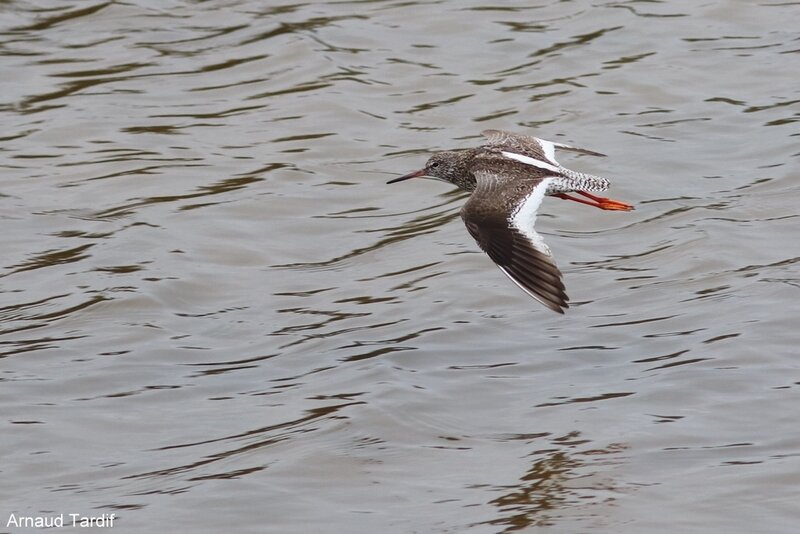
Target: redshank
[509,176]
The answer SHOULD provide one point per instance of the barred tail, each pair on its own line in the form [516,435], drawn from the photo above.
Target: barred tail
[579,181]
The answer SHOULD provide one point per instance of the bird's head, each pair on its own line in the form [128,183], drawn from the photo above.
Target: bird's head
[449,166]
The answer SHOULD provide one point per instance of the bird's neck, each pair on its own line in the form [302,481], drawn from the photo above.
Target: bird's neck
[463,177]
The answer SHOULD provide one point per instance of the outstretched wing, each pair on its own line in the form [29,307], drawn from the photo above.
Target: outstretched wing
[509,239]
[532,147]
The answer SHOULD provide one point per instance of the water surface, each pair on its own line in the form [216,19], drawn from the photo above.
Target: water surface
[214,314]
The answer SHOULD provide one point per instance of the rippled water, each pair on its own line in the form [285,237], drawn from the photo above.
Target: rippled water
[215,314]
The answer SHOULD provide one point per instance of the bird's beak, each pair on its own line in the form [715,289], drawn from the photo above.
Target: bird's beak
[415,174]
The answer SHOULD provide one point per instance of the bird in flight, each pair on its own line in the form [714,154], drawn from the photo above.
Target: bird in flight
[508,176]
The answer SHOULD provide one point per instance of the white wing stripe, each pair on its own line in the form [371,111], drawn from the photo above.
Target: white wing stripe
[524,217]
[531,161]
[549,150]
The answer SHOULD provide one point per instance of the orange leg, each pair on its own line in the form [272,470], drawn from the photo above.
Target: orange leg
[598,202]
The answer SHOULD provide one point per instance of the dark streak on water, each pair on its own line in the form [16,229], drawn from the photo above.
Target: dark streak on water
[216,316]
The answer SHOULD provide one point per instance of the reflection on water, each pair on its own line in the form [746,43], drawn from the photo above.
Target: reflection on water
[214,311]
[559,481]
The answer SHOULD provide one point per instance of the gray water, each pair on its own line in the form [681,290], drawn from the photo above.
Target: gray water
[216,316]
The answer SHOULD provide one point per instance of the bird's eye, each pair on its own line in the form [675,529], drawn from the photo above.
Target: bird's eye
[435,164]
